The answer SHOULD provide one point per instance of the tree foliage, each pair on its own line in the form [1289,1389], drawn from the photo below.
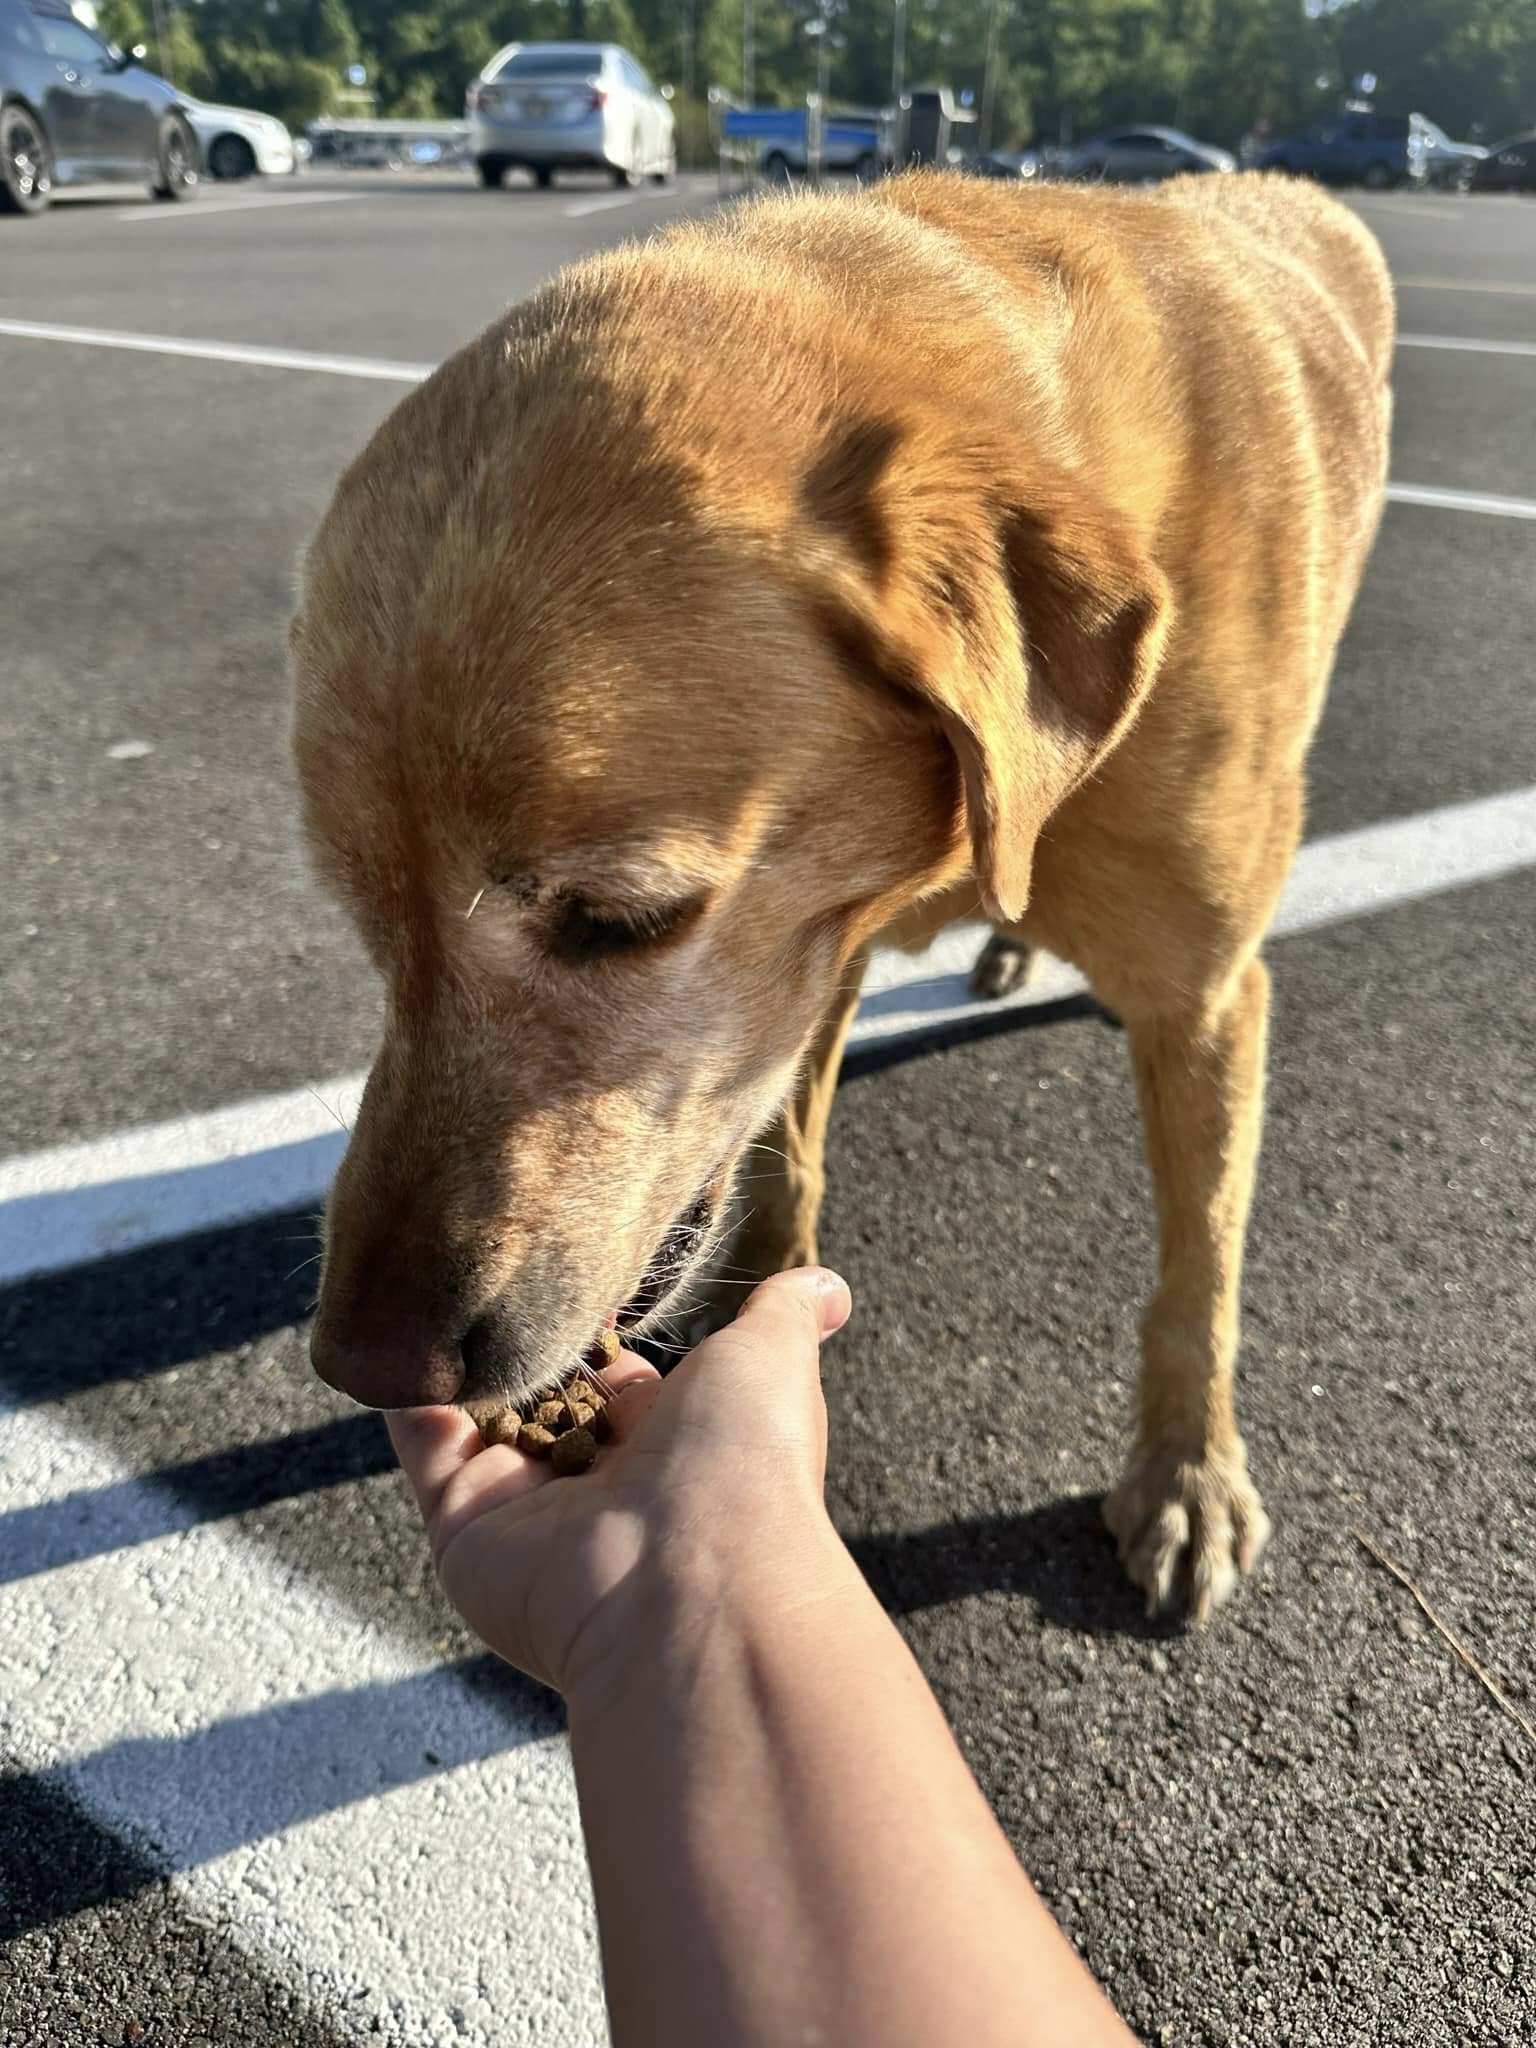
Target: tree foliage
[1063,67]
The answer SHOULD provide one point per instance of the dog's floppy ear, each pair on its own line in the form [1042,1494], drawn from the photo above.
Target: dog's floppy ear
[1023,614]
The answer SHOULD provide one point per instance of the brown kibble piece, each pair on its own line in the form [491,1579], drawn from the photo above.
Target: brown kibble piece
[504,1427]
[574,1452]
[537,1439]
[551,1415]
[609,1345]
[601,1426]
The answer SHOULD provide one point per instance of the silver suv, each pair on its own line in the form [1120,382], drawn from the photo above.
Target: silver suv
[545,107]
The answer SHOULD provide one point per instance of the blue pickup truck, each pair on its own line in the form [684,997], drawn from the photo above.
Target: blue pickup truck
[854,142]
[1356,148]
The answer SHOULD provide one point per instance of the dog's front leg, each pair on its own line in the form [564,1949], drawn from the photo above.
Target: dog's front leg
[1185,1516]
[785,1178]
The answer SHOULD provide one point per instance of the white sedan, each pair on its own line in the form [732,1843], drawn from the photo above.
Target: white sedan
[237,143]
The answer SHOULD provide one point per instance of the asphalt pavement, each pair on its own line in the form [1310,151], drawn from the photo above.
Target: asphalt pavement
[260,1787]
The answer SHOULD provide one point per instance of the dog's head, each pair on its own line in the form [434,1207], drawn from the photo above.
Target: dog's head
[617,759]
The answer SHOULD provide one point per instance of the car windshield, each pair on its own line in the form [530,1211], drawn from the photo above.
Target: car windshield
[569,63]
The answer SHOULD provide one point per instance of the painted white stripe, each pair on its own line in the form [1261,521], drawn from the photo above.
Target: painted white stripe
[379,368]
[1464,284]
[1461,501]
[659,195]
[1467,346]
[213,209]
[372,367]
[75,1203]
[273,1744]
[582,207]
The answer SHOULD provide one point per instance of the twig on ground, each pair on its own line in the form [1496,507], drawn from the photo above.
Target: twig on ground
[1484,1677]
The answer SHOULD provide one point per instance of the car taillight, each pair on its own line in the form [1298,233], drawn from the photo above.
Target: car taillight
[598,101]
[475,97]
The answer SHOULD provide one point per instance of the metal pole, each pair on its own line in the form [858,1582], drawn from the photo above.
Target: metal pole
[688,82]
[748,50]
[161,65]
[989,75]
[899,53]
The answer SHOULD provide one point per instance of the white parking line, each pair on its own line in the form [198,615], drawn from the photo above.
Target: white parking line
[371,367]
[583,207]
[75,1203]
[185,1685]
[211,209]
[378,368]
[1466,345]
[1461,501]
[1463,284]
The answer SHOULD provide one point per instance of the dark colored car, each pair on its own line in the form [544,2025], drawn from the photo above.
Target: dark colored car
[75,108]
[1508,167]
[1378,150]
[1140,156]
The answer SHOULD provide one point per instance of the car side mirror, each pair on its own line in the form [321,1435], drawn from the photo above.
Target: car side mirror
[666,92]
[124,58]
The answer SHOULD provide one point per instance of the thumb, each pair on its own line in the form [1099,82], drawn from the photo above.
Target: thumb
[788,1304]
[772,1346]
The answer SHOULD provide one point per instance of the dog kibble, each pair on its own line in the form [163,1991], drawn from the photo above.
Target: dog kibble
[574,1452]
[565,1428]
[504,1427]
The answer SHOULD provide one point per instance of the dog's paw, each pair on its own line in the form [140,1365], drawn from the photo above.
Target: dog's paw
[1001,966]
[1186,1529]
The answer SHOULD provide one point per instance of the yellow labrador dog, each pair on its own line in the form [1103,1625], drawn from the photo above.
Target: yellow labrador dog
[785,587]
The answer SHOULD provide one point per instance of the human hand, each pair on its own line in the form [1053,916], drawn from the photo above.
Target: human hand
[712,1484]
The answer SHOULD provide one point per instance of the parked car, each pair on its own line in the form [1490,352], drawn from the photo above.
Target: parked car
[1140,156]
[237,143]
[1446,163]
[569,106]
[1357,148]
[1012,166]
[75,108]
[1508,167]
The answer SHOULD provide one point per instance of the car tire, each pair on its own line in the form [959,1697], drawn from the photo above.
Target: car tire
[178,160]
[776,167]
[231,157]
[1378,178]
[26,162]
[543,176]
[626,176]
[492,170]
[667,172]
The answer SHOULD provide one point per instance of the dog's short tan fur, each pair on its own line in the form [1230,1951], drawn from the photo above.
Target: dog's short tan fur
[793,582]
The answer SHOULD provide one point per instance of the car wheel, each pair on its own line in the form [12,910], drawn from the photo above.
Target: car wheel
[776,167]
[667,172]
[492,170]
[626,175]
[543,177]
[26,162]
[179,178]
[1379,178]
[232,157]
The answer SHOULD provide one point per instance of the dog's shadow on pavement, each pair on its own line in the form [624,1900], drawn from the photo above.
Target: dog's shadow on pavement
[1059,1556]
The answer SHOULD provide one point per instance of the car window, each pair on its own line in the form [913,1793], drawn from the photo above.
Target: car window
[1359,131]
[1391,127]
[640,78]
[556,63]
[67,40]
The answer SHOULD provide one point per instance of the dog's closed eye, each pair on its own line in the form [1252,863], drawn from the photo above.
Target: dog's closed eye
[585,932]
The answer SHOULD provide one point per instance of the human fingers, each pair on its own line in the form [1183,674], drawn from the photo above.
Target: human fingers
[761,1372]
[433,1446]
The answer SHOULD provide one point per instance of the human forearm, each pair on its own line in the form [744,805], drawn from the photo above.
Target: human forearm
[786,1843]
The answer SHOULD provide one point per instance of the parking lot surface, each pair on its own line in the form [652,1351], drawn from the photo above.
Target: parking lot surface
[260,1786]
